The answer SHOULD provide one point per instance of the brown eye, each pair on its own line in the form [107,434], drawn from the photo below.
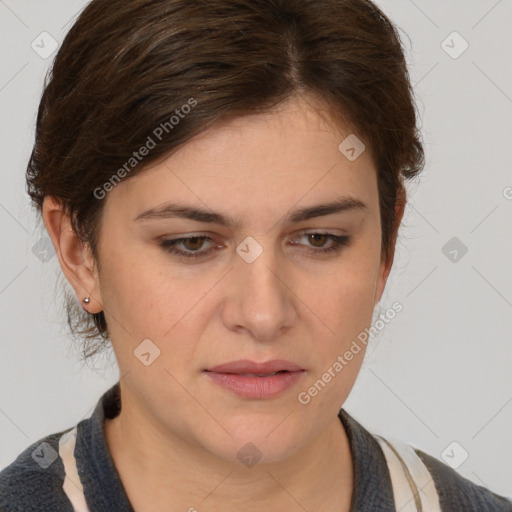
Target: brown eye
[191,244]
[318,238]
[317,242]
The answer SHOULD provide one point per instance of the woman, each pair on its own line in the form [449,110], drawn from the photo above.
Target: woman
[223,183]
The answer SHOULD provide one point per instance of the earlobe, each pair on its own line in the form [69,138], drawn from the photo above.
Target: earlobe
[75,257]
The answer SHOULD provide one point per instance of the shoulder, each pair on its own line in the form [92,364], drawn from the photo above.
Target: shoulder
[33,481]
[457,493]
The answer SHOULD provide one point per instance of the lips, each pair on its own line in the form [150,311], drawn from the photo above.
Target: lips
[249,379]
[245,366]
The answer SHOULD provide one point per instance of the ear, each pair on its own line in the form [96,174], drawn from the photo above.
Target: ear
[75,257]
[386,263]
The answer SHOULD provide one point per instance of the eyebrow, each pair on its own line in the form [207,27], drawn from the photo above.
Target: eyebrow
[177,210]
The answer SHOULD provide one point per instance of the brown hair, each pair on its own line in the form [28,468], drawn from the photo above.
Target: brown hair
[127,66]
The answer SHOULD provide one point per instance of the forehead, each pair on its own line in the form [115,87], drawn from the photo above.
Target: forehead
[282,157]
[294,128]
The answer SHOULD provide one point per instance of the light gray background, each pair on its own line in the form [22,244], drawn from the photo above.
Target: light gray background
[439,372]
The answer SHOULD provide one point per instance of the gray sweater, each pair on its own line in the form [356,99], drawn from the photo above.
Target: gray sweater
[29,486]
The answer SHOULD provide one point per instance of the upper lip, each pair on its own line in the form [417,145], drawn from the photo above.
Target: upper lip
[248,366]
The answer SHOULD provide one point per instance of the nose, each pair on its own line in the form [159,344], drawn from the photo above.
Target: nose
[261,298]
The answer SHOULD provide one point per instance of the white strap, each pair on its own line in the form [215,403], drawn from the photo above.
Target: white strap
[414,489]
[72,485]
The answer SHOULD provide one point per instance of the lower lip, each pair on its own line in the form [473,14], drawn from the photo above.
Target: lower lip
[256,387]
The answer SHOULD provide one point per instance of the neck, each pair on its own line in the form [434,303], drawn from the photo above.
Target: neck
[150,462]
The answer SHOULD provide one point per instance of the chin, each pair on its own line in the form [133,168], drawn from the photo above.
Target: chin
[244,452]
[264,440]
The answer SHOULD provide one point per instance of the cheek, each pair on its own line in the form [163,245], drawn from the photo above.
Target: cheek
[135,293]
[345,311]
[344,296]
[145,299]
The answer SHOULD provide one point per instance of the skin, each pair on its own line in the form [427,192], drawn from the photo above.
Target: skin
[289,303]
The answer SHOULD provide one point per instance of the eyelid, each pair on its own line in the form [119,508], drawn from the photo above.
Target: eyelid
[298,234]
[337,244]
[321,231]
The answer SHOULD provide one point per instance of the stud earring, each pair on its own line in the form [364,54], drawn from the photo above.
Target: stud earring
[87,300]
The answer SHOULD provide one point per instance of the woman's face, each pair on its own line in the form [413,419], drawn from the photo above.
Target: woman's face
[259,289]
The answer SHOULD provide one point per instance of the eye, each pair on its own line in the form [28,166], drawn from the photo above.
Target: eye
[192,246]
[319,239]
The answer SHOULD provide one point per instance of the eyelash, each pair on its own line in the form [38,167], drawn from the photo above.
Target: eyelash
[339,242]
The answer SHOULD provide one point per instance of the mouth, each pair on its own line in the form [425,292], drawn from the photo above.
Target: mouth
[246,366]
[249,379]
[257,374]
